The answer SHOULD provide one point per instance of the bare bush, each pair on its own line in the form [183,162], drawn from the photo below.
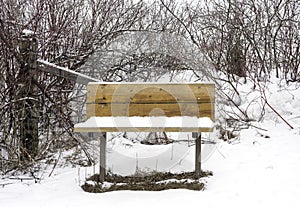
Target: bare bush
[68,33]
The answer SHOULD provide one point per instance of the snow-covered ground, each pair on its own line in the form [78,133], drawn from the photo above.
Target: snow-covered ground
[259,168]
[254,171]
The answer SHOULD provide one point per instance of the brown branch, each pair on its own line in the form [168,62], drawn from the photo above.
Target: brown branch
[277,113]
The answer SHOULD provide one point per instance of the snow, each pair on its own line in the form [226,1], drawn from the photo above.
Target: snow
[81,78]
[27,32]
[258,168]
[151,121]
[254,172]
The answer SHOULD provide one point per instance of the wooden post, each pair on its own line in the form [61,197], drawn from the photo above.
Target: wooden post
[28,98]
[198,155]
[102,168]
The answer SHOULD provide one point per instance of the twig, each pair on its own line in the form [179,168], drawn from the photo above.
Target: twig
[21,179]
[181,22]
[4,184]
[257,127]
[55,164]
[221,153]
[277,113]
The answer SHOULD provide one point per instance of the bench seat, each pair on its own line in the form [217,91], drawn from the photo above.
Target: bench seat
[145,124]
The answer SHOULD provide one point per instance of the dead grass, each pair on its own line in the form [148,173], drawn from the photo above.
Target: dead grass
[155,181]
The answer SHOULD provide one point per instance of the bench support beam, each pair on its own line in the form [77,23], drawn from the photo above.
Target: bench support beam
[198,155]
[102,168]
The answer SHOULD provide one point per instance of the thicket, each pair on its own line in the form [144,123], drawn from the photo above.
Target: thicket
[221,40]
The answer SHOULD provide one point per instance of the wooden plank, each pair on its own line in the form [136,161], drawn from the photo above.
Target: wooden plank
[169,99]
[103,93]
[198,110]
[28,117]
[65,73]
[144,129]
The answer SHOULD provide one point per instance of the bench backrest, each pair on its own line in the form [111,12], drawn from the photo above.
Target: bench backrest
[150,99]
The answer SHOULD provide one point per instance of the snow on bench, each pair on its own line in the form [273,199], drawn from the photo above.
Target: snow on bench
[145,124]
[149,107]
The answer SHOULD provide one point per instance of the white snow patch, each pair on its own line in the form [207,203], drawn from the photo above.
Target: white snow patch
[152,121]
[27,32]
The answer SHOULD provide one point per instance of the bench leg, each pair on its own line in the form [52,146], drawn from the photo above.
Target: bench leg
[198,156]
[102,169]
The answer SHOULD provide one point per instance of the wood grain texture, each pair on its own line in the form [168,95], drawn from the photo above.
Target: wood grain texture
[171,99]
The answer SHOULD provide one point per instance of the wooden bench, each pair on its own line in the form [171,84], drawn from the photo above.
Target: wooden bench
[149,107]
